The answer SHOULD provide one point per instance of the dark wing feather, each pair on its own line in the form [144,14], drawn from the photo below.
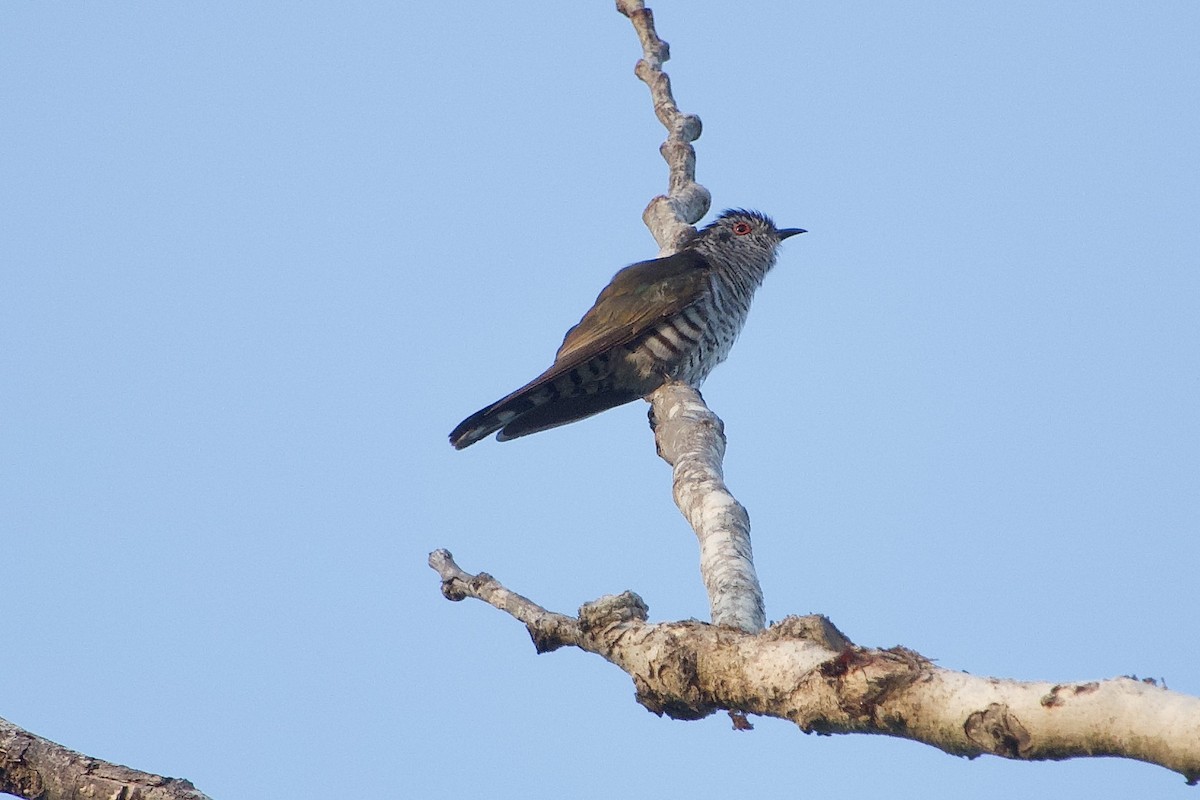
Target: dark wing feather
[638,298]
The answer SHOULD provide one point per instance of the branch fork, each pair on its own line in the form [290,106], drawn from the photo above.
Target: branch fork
[803,669]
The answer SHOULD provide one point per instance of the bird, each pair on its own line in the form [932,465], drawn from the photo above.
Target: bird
[667,319]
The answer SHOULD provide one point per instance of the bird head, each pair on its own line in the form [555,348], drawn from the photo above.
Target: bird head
[744,232]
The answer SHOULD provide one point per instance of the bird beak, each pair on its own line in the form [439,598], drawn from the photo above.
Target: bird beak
[786,232]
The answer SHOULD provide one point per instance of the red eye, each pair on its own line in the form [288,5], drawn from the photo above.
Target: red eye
[741,228]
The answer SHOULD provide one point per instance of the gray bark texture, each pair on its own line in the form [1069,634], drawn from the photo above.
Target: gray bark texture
[38,769]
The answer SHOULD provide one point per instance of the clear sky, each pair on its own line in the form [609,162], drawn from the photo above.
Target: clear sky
[259,258]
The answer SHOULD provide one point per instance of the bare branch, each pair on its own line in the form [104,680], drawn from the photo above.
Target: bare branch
[669,217]
[693,442]
[804,670]
[549,631]
[38,769]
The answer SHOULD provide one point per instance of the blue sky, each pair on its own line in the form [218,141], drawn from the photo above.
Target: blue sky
[260,258]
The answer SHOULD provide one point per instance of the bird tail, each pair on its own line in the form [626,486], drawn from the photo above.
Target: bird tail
[540,405]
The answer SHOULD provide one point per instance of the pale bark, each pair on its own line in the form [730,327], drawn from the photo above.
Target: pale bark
[804,670]
[669,217]
[694,441]
[38,769]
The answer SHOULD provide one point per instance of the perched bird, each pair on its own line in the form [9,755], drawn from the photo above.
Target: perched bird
[671,318]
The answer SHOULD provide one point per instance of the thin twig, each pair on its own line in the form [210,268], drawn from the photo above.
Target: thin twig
[669,217]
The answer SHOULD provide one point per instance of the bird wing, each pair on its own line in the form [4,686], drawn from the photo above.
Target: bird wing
[638,298]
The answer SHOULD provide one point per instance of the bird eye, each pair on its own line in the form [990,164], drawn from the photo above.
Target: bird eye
[741,228]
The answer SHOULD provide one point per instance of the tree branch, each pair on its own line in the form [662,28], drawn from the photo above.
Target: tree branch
[38,769]
[669,217]
[688,435]
[691,439]
[804,670]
